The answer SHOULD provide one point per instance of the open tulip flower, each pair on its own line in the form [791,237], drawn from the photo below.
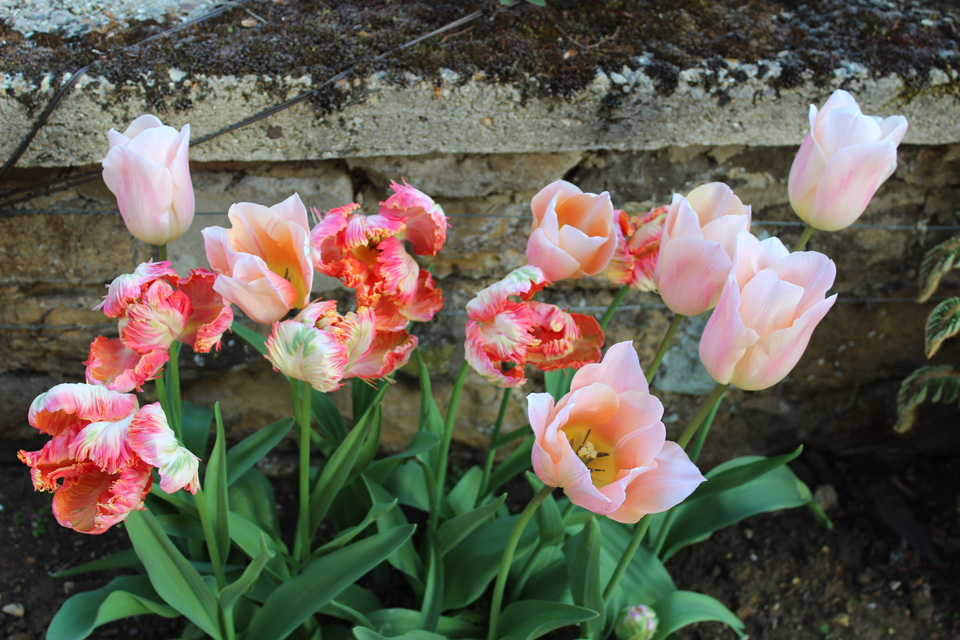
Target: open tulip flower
[574,233]
[155,307]
[842,162]
[147,170]
[103,449]
[638,248]
[504,334]
[697,247]
[769,307]
[367,253]
[263,261]
[605,445]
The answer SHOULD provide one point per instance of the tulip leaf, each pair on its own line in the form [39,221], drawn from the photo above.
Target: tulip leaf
[422,442]
[516,463]
[936,263]
[362,633]
[464,494]
[376,511]
[122,597]
[507,438]
[126,559]
[363,395]
[583,564]
[409,484]
[215,484]
[247,535]
[943,323]
[405,559]
[550,522]
[248,578]
[557,382]
[327,415]
[250,450]
[251,496]
[530,619]
[322,580]
[370,444]
[392,623]
[336,472]
[454,530]
[731,474]
[430,420]
[645,580]
[173,577]
[250,336]
[196,427]
[936,384]
[682,608]
[433,590]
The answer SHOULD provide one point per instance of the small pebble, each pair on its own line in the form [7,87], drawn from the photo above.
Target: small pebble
[13,609]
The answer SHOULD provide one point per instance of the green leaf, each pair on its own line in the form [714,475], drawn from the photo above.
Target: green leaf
[936,263]
[251,496]
[120,598]
[422,442]
[397,622]
[696,520]
[530,619]
[250,336]
[247,535]
[250,450]
[430,420]
[939,384]
[731,474]
[464,494]
[363,394]
[558,381]
[180,525]
[454,530]
[409,485]
[376,511]
[682,608]
[334,475]
[516,463]
[173,577]
[361,633]
[406,559]
[215,485]
[433,592]
[248,578]
[328,417]
[300,597]
[550,522]
[583,563]
[370,445]
[196,427]
[126,559]
[507,438]
[942,323]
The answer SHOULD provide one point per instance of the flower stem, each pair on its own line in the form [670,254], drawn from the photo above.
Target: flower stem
[639,531]
[612,308]
[664,345]
[491,449]
[211,539]
[173,370]
[802,242]
[705,409]
[448,426]
[704,430]
[507,559]
[163,252]
[303,525]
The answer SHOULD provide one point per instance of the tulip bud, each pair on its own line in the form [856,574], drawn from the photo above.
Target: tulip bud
[147,170]
[637,623]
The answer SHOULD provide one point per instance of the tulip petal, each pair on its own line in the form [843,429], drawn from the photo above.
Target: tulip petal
[67,404]
[850,179]
[725,338]
[670,483]
[691,273]
[620,369]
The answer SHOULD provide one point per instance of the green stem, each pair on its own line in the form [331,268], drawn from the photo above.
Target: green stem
[448,426]
[664,528]
[704,430]
[664,345]
[612,308]
[491,448]
[702,412]
[230,633]
[165,403]
[802,242]
[173,370]
[639,531]
[163,252]
[208,534]
[303,525]
[507,559]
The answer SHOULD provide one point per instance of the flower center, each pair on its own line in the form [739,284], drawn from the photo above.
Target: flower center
[595,453]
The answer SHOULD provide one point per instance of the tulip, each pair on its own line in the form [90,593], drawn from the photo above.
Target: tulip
[605,444]
[842,162]
[263,261]
[697,247]
[574,233]
[637,623]
[99,460]
[147,170]
[769,307]
[425,224]
[638,249]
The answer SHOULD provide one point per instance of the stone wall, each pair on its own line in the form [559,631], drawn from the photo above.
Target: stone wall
[59,253]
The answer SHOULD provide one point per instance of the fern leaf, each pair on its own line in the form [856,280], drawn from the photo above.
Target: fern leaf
[940,384]
[943,323]
[937,262]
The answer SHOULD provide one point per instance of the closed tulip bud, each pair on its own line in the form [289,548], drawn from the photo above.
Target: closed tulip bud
[637,623]
[147,170]
[844,159]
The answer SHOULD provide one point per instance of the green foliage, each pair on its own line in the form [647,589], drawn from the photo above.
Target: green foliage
[933,383]
[936,263]
[942,323]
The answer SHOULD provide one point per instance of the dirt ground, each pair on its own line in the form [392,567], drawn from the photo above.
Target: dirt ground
[785,575]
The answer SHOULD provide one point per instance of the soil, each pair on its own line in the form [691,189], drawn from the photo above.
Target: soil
[547,50]
[785,575]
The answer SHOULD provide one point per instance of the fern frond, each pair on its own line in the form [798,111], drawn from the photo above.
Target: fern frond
[943,323]
[937,262]
[940,384]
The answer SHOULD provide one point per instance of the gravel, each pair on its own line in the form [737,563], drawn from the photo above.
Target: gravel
[75,17]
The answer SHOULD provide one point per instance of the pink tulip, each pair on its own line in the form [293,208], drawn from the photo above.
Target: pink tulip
[263,261]
[605,445]
[842,162]
[638,249]
[574,233]
[99,460]
[770,305]
[697,246]
[147,170]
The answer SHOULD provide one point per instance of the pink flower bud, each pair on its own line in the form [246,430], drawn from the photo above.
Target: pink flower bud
[842,162]
[147,170]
